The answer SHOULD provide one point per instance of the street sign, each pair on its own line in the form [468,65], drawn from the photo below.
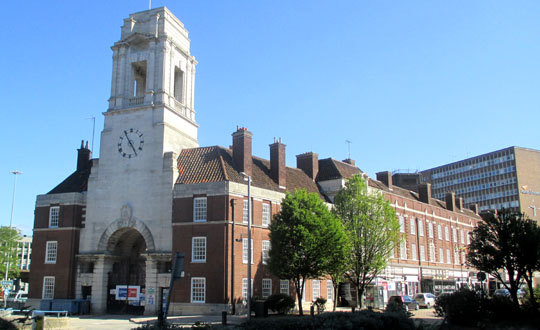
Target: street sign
[6,283]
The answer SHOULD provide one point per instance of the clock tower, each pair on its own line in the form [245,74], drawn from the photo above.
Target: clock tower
[127,230]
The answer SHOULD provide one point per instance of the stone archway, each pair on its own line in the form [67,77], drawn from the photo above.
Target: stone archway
[109,238]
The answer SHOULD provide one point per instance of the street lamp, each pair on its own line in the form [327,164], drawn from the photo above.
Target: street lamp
[15,173]
[248,179]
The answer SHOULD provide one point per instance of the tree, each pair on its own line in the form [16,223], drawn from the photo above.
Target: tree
[503,242]
[338,265]
[372,228]
[8,244]
[529,254]
[304,236]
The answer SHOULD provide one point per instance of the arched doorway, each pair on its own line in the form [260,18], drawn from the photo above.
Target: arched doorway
[127,278]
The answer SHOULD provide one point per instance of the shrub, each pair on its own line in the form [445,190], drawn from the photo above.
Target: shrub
[463,307]
[320,304]
[280,303]
[5,324]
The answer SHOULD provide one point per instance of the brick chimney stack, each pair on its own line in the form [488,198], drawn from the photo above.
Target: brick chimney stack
[242,140]
[386,178]
[451,201]
[349,161]
[83,157]
[459,203]
[424,192]
[474,208]
[309,163]
[278,170]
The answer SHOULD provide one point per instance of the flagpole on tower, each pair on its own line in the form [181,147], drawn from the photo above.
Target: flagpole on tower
[149,4]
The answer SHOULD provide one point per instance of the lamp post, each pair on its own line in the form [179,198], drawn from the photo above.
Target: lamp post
[248,179]
[15,173]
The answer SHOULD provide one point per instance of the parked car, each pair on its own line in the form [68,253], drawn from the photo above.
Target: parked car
[407,302]
[506,293]
[425,299]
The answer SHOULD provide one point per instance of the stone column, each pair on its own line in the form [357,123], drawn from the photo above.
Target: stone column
[102,267]
[151,286]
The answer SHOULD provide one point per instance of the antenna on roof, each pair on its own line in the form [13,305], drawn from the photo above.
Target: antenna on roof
[349,147]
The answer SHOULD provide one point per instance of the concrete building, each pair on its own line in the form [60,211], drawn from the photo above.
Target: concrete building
[508,178]
[108,232]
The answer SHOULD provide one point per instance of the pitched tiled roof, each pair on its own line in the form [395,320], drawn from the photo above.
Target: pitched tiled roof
[414,196]
[330,169]
[76,182]
[215,164]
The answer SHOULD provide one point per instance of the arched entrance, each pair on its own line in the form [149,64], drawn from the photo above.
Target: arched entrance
[127,278]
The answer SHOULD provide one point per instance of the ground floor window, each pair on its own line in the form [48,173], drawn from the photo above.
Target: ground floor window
[198,289]
[48,287]
[316,288]
[329,290]
[284,287]
[266,287]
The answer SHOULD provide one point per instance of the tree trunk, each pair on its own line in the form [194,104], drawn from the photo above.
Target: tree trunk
[360,292]
[529,280]
[299,291]
[336,288]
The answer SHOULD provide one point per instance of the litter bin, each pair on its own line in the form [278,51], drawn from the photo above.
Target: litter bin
[261,308]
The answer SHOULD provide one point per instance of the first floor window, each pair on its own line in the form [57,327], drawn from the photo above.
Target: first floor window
[446,233]
[54,216]
[245,214]
[448,257]
[284,286]
[413,226]
[441,255]
[413,251]
[431,252]
[439,231]
[266,287]
[265,214]
[48,287]
[422,253]
[403,249]
[316,284]
[198,249]
[329,290]
[198,289]
[199,209]
[401,224]
[245,250]
[265,249]
[51,251]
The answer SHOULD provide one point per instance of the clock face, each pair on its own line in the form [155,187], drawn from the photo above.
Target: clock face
[130,143]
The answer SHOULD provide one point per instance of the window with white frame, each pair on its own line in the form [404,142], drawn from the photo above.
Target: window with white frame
[430,230]
[401,224]
[463,259]
[422,253]
[199,209]
[266,287]
[245,288]
[284,286]
[198,249]
[462,236]
[51,251]
[468,235]
[245,250]
[54,216]
[448,257]
[454,235]
[198,290]
[441,255]
[245,214]
[431,252]
[456,257]
[265,214]
[439,231]
[446,233]
[316,286]
[329,290]
[413,251]
[392,252]
[48,287]
[413,226]
[265,249]
[420,227]
[403,249]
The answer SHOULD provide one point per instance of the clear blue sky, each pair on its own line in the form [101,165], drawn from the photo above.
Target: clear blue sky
[413,84]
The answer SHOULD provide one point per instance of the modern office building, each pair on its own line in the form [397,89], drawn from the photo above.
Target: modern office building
[506,178]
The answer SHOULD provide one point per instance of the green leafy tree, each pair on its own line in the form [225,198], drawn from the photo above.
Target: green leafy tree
[499,243]
[529,254]
[8,245]
[338,265]
[304,236]
[372,228]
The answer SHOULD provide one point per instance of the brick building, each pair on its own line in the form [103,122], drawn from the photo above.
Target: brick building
[114,224]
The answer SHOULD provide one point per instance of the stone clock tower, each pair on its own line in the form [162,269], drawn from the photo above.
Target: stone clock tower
[126,239]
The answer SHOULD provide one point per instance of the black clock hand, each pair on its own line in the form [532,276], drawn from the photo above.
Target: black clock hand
[131,144]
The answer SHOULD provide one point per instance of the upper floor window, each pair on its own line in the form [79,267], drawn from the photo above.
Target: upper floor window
[439,231]
[265,215]
[245,250]
[403,249]
[138,70]
[54,216]
[51,251]
[454,234]
[430,230]
[199,209]
[245,211]
[462,236]
[413,226]
[420,227]
[178,84]
[198,249]
[413,251]
[401,224]
[446,233]
[422,253]
[265,249]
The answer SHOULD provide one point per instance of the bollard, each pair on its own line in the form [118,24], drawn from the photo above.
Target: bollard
[312,310]
[353,308]
[38,322]
[224,318]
